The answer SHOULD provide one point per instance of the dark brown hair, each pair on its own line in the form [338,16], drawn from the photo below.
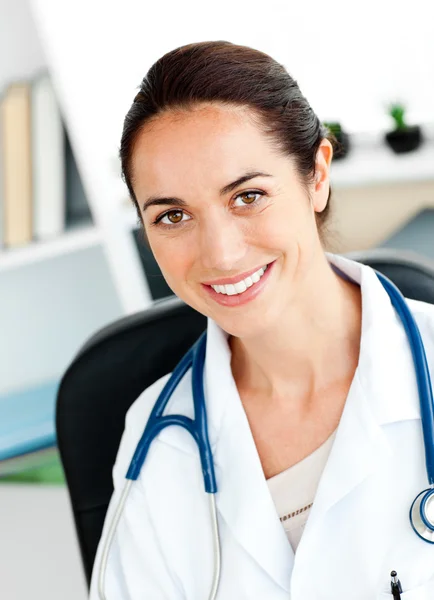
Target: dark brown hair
[222,72]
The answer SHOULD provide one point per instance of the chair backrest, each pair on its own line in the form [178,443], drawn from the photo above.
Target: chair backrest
[109,372]
[412,273]
[121,360]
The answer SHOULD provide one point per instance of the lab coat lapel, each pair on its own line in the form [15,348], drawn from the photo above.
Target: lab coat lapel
[381,392]
[243,499]
[360,448]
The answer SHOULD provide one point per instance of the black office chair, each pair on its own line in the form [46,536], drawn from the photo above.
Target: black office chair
[117,363]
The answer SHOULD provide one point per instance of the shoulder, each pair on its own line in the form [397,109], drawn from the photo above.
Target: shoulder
[423,313]
[138,413]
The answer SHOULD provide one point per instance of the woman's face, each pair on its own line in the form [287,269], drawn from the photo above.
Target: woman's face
[219,205]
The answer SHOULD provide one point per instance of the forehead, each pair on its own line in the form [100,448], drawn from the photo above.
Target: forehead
[206,145]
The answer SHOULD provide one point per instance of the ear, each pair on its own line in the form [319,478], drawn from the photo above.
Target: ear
[322,173]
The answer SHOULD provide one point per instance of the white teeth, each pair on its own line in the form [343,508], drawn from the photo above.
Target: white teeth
[240,286]
[255,277]
[230,289]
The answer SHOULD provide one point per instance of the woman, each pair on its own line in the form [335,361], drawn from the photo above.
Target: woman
[312,404]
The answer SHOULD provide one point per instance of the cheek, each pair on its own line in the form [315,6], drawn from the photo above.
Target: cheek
[277,231]
[289,223]
[174,259]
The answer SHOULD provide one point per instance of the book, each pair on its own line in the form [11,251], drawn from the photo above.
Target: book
[48,160]
[15,117]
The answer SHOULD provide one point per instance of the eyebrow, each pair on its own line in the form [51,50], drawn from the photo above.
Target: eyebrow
[160,200]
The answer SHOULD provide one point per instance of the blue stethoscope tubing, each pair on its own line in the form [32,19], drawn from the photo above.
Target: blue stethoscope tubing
[422,508]
[198,429]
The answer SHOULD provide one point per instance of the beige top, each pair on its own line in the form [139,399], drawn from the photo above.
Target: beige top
[293,490]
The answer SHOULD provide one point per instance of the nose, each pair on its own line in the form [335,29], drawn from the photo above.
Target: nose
[222,243]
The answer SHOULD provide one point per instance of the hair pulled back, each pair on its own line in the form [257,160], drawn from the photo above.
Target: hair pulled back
[230,74]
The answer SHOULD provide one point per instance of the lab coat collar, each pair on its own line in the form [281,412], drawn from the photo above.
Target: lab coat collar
[390,386]
[383,391]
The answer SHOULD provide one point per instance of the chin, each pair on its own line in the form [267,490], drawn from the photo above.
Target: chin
[243,327]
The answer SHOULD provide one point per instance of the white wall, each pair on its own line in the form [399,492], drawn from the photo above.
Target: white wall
[21,53]
[348,58]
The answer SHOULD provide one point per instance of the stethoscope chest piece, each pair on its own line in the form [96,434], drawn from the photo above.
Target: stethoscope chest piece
[422,515]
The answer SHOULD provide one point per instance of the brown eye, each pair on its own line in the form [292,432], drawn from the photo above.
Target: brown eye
[174,216]
[247,198]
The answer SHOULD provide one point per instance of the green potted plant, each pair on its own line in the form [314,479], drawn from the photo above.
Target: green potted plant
[339,138]
[404,138]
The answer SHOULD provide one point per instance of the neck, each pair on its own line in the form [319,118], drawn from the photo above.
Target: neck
[314,345]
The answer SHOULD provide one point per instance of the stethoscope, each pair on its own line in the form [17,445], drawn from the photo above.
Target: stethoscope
[421,511]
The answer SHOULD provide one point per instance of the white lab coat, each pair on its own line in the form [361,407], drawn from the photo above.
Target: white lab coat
[358,529]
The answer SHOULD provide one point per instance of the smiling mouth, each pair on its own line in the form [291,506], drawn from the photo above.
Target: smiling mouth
[233,289]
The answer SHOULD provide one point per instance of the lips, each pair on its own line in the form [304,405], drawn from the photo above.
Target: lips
[234,298]
[235,278]
[241,286]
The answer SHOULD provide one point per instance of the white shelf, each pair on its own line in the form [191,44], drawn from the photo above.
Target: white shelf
[371,162]
[71,241]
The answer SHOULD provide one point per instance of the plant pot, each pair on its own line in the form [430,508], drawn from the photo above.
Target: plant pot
[404,140]
[343,145]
